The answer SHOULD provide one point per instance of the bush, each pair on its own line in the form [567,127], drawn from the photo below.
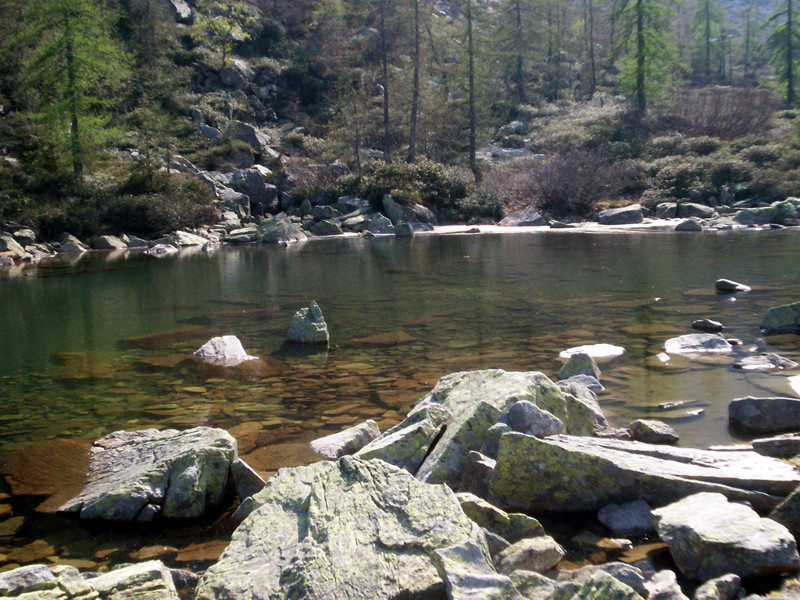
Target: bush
[573,183]
[480,203]
[512,141]
[730,172]
[227,156]
[675,176]
[666,145]
[763,156]
[703,145]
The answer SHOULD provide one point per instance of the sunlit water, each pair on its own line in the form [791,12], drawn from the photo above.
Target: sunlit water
[102,344]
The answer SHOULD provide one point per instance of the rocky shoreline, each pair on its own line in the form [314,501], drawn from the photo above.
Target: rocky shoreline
[449,503]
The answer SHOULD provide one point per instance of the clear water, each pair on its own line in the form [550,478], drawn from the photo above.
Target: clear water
[100,344]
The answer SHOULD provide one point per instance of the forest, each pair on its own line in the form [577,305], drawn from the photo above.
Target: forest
[109,109]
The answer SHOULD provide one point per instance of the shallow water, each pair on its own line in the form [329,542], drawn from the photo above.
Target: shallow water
[99,344]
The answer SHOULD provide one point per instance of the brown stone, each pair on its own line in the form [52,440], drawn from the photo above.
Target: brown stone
[166,339]
[162,553]
[5,511]
[268,459]
[162,363]
[76,366]
[202,552]
[33,552]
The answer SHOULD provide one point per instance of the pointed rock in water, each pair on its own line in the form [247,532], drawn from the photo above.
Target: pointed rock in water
[308,326]
[468,575]
[177,474]
[709,537]
[570,474]
[349,441]
[765,415]
[782,319]
[344,530]
[579,363]
[698,343]
[729,287]
[223,351]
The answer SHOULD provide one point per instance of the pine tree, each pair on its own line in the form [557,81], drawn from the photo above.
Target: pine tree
[783,41]
[70,64]
[709,26]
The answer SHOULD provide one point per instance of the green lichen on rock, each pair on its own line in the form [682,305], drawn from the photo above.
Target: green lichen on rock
[512,527]
[340,530]
[602,586]
[468,575]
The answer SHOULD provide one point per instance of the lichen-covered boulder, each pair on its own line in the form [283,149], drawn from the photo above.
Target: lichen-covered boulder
[725,587]
[708,536]
[308,326]
[602,586]
[782,319]
[567,473]
[764,415]
[343,530]
[473,400]
[624,573]
[348,441]
[140,475]
[468,575]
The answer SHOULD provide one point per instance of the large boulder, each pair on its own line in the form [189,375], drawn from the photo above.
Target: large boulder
[568,474]
[468,575]
[399,213]
[523,218]
[10,247]
[765,415]
[223,351]
[140,475]
[280,229]
[538,554]
[251,183]
[782,319]
[308,326]
[627,215]
[708,536]
[688,210]
[181,11]
[474,400]
[106,242]
[258,140]
[343,530]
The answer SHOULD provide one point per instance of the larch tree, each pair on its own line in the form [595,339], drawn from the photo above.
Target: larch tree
[71,65]
[709,27]
[783,41]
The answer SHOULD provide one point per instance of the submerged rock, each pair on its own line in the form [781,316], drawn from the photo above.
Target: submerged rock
[308,326]
[568,473]
[698,343]
[223,351]
[782,319]
[139,475]
[765,362]
[708,536]
[343,530]
[765,415]
[349,441]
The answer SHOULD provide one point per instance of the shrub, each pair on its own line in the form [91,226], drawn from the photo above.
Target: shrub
[573,183]
[730,172]
[512,141]
[762,156]
[676,176]
[702,145]
[666,145]
[227,156]
[480,203]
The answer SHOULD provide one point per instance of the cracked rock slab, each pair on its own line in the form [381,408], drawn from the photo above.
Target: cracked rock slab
[144,474]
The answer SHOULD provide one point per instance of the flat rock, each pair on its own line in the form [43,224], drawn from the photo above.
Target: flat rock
[298,542]
[468,575]
[629,519]
[568,473]
[308,326]
[107,242]
[765,362]
[223,351]
[729,286]
[626,215]
[653,432]
[349,441]
[765,415]
[176,474]
[512,527]
[782,319]
[698,343]
[538,554]
[783,446]
[708,536]
[599,352]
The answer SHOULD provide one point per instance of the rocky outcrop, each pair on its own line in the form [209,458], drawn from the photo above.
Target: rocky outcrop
[399,213]
[308,326]
[782,319]
[567,473]
[698,343]
[345,442]
[280,229]
[298,542]
[258,140]
[223,351]
[765,415]
[780,212]
[627,215]
[142,475]
[708,536]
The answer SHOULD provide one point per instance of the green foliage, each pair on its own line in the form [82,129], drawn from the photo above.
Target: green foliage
[480,203]
[512,141]
[762,155]
[702,145]
[228,155]
[222,25]
[709,30]
[783,42]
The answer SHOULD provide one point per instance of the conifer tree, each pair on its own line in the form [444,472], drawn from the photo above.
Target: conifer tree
[783,41]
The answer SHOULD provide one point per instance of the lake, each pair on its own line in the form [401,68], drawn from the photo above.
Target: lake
[104,342]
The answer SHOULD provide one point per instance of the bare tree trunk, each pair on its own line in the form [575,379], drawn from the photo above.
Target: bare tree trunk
[412,134]
[473,163]
[72,102]
[641,95]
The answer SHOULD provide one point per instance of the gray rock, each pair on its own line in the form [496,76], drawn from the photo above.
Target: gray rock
[6,262]
[32,578]
[568,473]
[599,352]
[690,226]
[653,432]
[137,243]
[579,363]
[308,326]
[698,343]
[765,415]
[209,133]
[725,587]
[602,585]
[666,210]
[629,519]
[326,228]
[707,325]
[236,201]
[537,554]
[688,210]
[621,216]
[24,236]
[297,542]
[784,446]
[590,383]
[584,414]
[404,230]
[257,139]
[787,513]
[624,573]
[182,473]
[181,239]
[245,480]
[325,212]
[492,441]
[524,416]
[378,223]
[512,527]
[245,235]
[161,250]
[69,244]
[251,182]
[782,319]
[467,574]
[151,580]
[106,242]
[181,11]
[664,586]
[765,362]
[494,542]
[709,537]
[345,442]
[534,586]
[477,474]
[399,213]
[474,401]
[729,286]
[223,351]
[523,218]
[279,229]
